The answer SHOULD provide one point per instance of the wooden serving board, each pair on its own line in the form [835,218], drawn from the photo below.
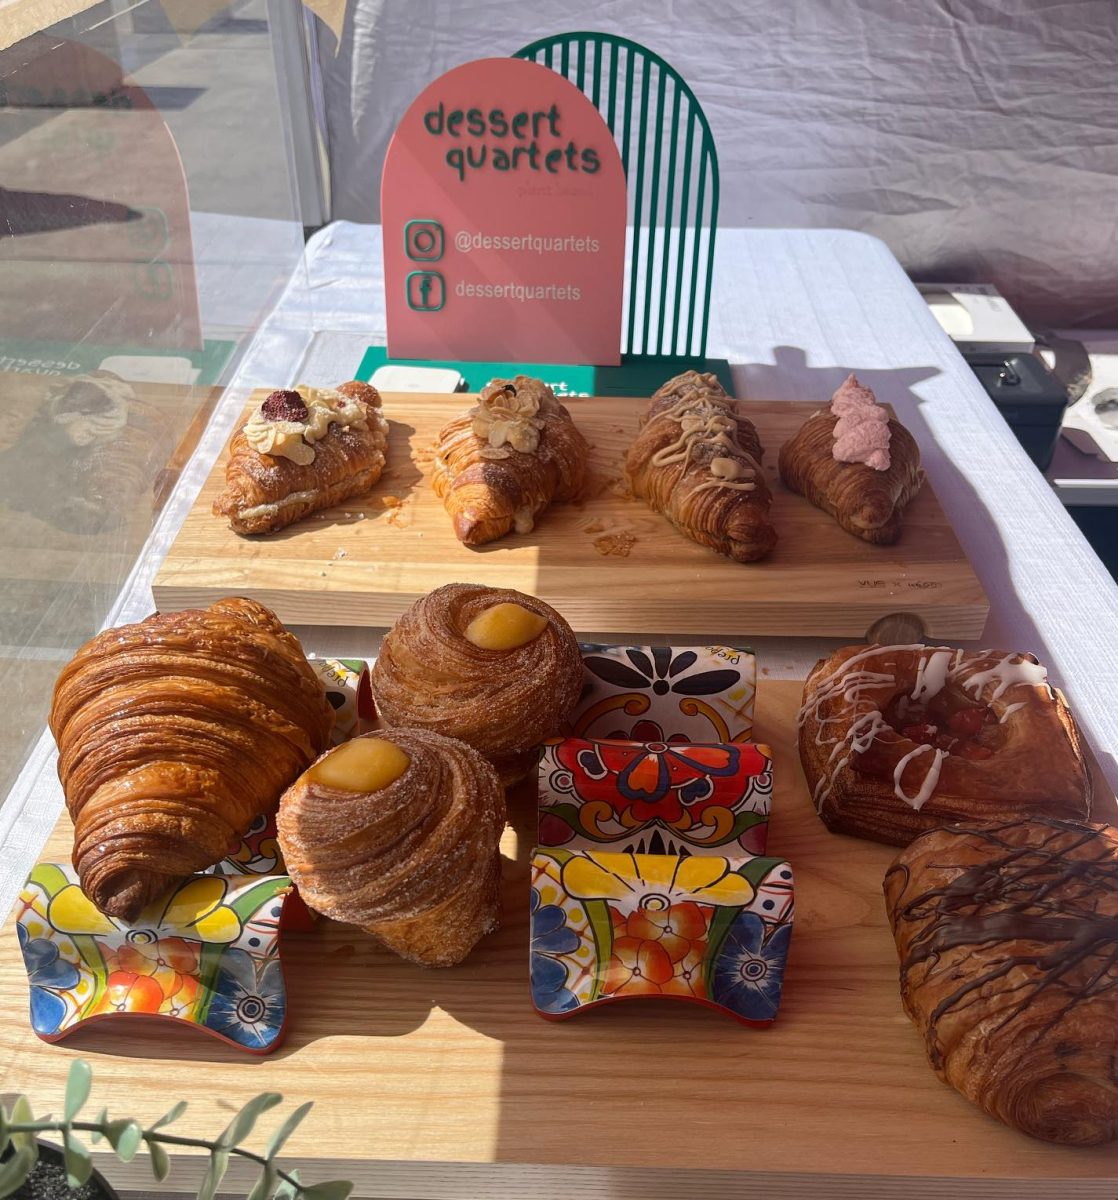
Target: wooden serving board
[446,1084]
[364,563]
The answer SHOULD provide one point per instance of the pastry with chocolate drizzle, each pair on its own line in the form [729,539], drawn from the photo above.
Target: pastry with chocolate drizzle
[895,740]
[1007,934]
[697,461]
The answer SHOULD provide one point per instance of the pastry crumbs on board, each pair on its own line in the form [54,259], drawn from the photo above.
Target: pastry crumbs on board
[617,544]
[391,501]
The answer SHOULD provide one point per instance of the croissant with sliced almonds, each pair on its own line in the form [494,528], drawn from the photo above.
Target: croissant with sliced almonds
[398,831]
[499,465]
[174,735]
[697,461]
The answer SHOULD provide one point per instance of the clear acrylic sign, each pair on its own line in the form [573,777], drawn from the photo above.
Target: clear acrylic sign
[503,208]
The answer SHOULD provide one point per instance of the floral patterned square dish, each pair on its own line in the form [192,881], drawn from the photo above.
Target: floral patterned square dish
[666,694]
[655,797]
[653,814]
[607,927]
[207,955]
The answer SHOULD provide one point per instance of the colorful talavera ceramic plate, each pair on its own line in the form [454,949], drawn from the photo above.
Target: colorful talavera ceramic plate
[655,797]
[666,694]
[607,927]
[206,955]
[652,816]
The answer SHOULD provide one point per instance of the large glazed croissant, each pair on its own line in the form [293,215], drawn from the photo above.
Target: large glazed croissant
[301,451]
[173,736]
[698,461]
[866,502]
[1007,934]
[415,861]
[503,702]
[499,465]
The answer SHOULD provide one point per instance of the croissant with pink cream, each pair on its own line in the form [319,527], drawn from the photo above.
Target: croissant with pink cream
[855,462]
[897,740]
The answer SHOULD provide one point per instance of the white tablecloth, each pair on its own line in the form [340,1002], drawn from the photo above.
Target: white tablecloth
[794,312]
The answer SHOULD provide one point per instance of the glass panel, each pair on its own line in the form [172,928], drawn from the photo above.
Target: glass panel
[147,225]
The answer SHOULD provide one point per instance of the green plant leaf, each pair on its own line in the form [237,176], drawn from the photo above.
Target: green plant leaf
[95,1135]
[337,1189]
[289,1188]
[276,1141]
[21,1114]
[172,1114]
[160,1159]
[264,1184]
[125,1137]
[79,1164]
[241,1125]
[215,1173]
[77,1088]
[15,1170]
[5,1136]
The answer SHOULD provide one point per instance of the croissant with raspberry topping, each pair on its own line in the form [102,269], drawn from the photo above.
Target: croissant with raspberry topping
[174,735]
[300,451]
[499,465]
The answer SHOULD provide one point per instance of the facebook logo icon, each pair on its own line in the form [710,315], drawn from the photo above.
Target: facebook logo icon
[426,291]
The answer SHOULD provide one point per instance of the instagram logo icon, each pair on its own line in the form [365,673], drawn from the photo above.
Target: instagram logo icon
[423,241]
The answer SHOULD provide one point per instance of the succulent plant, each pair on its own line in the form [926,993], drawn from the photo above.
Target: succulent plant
[19,1128]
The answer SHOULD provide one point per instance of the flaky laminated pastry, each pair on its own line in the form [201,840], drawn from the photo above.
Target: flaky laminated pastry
[496,668]
[174,735]
[398,832]
[895,740]
[697,461]
[1007,934]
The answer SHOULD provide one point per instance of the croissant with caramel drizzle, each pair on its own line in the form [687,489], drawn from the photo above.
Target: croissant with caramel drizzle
[174,735]
[698,461]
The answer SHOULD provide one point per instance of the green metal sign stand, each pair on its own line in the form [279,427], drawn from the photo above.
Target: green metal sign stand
[671,170]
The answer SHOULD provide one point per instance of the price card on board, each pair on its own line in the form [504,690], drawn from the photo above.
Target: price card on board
[503,208]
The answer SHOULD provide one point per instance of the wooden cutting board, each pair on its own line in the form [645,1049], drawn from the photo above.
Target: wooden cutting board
[364,563]
[445,1083]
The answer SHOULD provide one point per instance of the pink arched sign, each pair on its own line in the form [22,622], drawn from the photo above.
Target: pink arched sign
[503,206]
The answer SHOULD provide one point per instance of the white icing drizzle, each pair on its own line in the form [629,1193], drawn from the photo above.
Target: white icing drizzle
[931,675]
[938,667]
[1007,674]
[931,776]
